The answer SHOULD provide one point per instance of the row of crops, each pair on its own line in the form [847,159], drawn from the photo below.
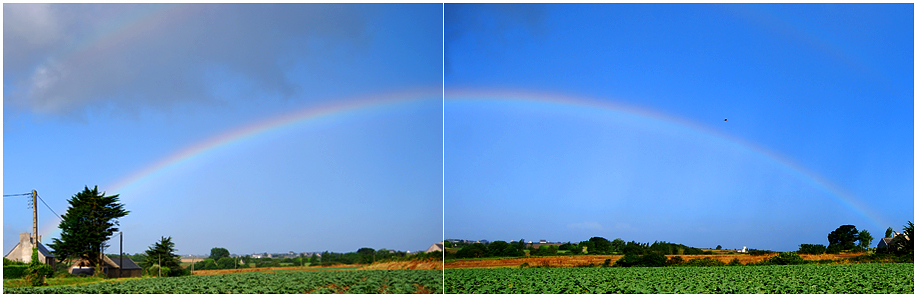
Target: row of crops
[358,282]
[791,279]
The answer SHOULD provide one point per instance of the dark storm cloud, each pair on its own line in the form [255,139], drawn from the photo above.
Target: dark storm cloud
[65,58]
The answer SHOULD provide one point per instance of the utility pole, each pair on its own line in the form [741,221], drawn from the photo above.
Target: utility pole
[35,217]
[121,269]
[160,266]
[192,264]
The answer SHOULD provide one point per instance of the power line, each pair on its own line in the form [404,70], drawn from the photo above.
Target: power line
[49,208]
[11,195]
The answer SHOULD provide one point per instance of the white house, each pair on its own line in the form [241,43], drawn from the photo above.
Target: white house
[23,250]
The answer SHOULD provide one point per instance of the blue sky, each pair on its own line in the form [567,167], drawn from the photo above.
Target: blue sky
[819,101]
[94,94]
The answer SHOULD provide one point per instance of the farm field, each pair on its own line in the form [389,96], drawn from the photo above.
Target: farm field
[294,282]
[585,260]
[791,279]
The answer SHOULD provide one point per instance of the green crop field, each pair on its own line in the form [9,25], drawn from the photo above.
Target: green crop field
[359,282]
[790,279]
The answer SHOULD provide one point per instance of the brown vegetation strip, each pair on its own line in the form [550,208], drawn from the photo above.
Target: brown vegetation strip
[585,260]
[405,265]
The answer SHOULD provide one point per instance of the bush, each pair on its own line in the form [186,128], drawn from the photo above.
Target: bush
[788,258]
[654,259]
[628,260]
[755,252]
[14,271]
[734,262]
[11,262]
[703,262]
[674,261]
[812,249]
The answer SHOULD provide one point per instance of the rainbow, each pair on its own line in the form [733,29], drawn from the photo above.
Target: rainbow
[789,166]
[341,109]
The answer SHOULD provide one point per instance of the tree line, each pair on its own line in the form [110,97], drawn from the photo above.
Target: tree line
[92,218]
[593,246]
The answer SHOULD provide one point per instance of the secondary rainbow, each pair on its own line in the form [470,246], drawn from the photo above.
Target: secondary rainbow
[846,199]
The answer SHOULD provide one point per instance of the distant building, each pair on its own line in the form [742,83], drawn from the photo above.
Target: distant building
[886,245]
[543,241]
[436,247]
[23,250]
[111,267]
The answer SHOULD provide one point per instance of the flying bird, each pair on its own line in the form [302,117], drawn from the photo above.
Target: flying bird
[725,120]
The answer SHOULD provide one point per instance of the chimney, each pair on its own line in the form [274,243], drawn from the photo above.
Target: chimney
[24,237]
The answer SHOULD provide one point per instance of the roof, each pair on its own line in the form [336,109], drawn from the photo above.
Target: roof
[128,263]
[44,251]
[41,249]
[111,262]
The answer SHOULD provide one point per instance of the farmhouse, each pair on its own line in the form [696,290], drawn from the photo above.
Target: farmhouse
[23,250]
[887,244]
[436,247]
[111,268]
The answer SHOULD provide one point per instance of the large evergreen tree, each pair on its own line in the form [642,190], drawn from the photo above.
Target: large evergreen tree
[843,238]
[162,254]
[88,223]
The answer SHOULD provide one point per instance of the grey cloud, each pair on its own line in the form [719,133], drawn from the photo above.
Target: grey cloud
[64,58]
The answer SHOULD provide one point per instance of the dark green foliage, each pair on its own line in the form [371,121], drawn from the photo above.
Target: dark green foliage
[11,262]
[755,252]
[617,245]
[37,271]
[865,239]
[904,242]
[161,256]
[602,246]
[447,244]
[675,261]
[889,232]
[88,223]
[496,248]
[734,262]
[788,258]
[812,249]
[667,248]
[844,237]
[653,259]
[14,271]
[633,247]
[567,247]
[607,263]
[226,263]
[628,260]
[703,262]
[475,250]
[218,252]
[545,250]
[589,247]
